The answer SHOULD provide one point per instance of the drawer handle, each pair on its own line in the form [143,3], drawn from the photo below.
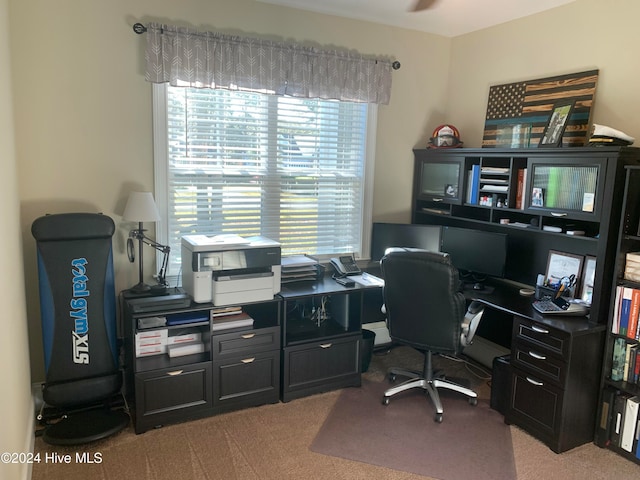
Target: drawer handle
[248,360]
[535,328]
[537,356]
[534,382]
[558,214]
[247,336]
[175,372]
[437,199]
[326,345]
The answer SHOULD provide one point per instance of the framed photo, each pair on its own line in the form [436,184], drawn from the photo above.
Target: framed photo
[450,190]
[537,197]
[552,135]
[586,293]
[564,268]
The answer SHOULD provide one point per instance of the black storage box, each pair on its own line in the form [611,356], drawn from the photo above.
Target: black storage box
[500,384]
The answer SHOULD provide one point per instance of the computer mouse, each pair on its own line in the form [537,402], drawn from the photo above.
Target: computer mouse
[478,286]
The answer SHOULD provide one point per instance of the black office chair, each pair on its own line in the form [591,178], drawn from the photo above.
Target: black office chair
[425,310]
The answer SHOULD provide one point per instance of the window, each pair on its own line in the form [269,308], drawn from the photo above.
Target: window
[291,169]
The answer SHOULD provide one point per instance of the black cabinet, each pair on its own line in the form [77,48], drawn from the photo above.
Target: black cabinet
[322,337]
[246,368]
[170,395]
[180,365]
[554,379]
[314,367]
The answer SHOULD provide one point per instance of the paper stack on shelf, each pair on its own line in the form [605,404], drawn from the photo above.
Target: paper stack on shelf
[297,268]
[234,319]
[632,267]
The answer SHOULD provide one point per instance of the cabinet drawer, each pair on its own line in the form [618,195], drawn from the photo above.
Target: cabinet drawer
[537,361]
[536,406]
[247,381]
[248,341]
[554,341]
[160,394]
[321,366]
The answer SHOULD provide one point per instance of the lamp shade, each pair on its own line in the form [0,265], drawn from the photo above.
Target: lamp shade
[141,208]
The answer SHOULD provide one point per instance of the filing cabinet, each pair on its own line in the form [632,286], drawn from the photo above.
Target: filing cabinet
[246,368]
[554,379]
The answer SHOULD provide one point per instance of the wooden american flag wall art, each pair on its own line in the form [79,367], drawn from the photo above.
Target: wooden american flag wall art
[529,104]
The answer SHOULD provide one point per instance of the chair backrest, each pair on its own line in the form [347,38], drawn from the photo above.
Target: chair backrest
[425,308]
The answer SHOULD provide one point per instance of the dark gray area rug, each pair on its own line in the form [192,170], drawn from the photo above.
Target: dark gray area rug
[472,442]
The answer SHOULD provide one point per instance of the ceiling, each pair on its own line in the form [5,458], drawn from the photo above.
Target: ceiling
[448,18]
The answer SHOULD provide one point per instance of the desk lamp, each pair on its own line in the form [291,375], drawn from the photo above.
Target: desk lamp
[142,208]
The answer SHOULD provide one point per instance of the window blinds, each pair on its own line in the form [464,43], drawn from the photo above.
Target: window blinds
[289,169]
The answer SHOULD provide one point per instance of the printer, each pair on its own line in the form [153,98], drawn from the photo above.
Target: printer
[230,269]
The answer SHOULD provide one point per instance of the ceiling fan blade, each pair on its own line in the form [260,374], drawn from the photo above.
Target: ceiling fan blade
[423,5]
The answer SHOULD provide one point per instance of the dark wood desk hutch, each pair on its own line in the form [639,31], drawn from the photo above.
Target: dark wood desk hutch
[541,198]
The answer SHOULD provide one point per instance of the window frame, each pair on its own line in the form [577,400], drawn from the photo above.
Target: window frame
[161,186]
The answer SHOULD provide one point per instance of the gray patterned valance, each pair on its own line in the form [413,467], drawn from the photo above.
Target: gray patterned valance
[183,57]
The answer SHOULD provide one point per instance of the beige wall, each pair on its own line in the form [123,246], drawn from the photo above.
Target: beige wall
[584,35]
[83,109]
[15,401]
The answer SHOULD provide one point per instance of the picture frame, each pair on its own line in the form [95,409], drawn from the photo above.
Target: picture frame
[537,197]
[553,131]
[588,277]
[564,268]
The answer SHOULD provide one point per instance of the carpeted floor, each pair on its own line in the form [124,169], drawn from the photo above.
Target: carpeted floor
[273,442]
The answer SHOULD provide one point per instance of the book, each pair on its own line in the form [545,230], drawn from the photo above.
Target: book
[625,308]
[617,362]
[627,357]
[520,189]
[634,311]
[615,324]
[475,184]
[632,351]
[603,430]
[628,434]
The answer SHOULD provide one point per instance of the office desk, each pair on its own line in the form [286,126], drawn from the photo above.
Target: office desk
[555,369]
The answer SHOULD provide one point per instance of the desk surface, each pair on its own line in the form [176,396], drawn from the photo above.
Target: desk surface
[506,297]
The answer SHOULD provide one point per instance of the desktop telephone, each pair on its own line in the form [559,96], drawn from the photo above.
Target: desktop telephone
[346,265]
[559,305]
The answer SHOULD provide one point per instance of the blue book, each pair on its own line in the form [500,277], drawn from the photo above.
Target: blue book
[475,184]
[625,308]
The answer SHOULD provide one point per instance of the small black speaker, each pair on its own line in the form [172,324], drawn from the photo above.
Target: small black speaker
[500,384]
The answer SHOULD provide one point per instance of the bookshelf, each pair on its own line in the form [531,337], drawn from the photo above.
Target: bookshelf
[617,417]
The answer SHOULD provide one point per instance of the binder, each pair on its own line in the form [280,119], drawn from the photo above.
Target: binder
[603,431]
[475,184]
[617,422]
[630,421]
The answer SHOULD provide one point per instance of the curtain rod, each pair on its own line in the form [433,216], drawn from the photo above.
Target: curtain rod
[140,29]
